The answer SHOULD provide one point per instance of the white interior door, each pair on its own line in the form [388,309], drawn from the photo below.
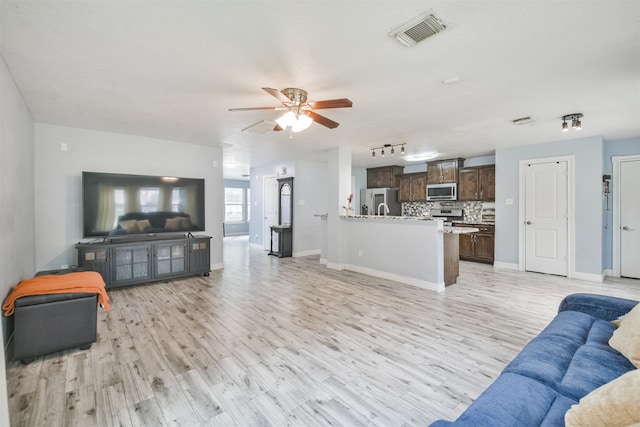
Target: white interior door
[270,201]
[630,219]
[546,218]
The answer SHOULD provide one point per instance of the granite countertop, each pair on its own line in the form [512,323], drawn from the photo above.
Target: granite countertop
[459,230]
[475,222]
[390,217]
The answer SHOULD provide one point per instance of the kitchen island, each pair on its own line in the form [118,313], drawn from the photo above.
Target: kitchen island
[414,250]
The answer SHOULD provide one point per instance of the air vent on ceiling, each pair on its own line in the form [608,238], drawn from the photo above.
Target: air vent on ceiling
[523,120]
[263,127]
[418,29]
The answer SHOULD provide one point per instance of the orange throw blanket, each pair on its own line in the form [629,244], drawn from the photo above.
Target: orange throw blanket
[89,282]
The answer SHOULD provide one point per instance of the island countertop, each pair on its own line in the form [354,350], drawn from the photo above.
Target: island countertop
[447,229]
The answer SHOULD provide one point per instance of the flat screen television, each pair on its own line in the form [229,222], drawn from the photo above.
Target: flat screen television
[121,205]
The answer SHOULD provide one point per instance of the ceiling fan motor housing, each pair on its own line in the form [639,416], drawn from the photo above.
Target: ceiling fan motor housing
[295,95]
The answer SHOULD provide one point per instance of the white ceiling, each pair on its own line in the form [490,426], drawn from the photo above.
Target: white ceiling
[172,69]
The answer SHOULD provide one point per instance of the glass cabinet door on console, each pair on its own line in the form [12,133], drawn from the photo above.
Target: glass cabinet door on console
[170,258]
[131,264]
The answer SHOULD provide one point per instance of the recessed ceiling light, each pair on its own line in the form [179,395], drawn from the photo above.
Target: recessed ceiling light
[421,156]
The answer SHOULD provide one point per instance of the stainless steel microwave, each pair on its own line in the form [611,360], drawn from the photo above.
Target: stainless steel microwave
[437,192]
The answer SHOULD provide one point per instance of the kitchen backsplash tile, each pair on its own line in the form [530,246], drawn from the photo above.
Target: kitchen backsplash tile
[472,210]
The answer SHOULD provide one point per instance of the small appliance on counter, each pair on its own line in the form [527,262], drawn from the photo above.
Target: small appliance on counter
[364,210]
[488,214]
[448,214]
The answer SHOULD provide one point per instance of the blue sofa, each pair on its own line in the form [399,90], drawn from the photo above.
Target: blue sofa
[567,360]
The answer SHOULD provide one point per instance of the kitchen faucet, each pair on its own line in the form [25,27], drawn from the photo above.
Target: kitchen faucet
[385,207]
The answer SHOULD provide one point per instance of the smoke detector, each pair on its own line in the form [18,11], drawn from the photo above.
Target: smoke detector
[418,29]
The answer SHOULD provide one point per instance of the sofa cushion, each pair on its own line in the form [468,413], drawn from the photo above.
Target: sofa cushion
[590,368]
[615,403]
[497,407]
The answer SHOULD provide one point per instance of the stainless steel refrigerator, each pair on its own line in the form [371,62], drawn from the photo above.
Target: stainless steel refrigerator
[371,198]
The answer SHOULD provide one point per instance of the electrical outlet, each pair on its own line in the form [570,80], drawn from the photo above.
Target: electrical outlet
[359,252]
[64,266]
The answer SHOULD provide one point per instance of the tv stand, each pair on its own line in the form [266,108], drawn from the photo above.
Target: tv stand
[149,258]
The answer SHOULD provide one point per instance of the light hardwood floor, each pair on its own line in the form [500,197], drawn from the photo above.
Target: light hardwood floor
[271,341]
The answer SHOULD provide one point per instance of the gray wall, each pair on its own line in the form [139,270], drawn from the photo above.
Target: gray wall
[309,198]
[620,147]
[58,179]
[237,228]
[588,154]
[17,245]
[256,223]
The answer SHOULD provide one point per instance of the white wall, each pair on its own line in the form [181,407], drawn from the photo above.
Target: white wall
[309,198]
[58,179]
[17,245]
[588,199]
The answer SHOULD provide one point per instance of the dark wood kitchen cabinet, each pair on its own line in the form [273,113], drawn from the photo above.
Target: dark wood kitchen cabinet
[413,187]
[478,246]
[444,171]
[385,176]
[477,183]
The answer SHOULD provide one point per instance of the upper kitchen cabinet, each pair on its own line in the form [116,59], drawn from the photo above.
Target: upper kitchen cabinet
[443,171]
[413,187]
[477,183]
[385,176]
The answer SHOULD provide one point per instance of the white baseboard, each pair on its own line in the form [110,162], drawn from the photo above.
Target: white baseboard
[335,266]
[323,261]
[589,277]
[607,272]
[217,266]
[506,265]
[306,253]
[424,284]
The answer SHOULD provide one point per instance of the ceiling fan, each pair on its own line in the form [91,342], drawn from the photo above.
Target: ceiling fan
[299,112]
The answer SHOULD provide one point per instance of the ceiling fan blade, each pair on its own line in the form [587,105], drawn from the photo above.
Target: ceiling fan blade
[331,103]
[276,94]
[277,128]
[254,108]
[322,120]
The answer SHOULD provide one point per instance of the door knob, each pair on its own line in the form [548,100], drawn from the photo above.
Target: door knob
[528,222]
[625,228]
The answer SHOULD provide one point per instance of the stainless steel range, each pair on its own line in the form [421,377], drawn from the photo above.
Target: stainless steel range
[448,214]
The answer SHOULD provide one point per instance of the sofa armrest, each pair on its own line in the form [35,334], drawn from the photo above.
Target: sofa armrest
[601,306]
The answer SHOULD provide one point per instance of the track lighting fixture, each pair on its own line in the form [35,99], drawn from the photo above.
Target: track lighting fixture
[392,149]
[575,121]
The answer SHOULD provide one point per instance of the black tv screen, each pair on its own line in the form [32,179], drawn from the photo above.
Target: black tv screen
[121,205]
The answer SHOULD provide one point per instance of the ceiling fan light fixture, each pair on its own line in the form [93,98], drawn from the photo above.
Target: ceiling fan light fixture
[286,120]
[302,122]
